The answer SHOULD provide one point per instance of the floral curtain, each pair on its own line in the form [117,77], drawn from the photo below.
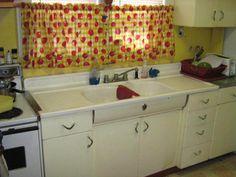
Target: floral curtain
[56,35]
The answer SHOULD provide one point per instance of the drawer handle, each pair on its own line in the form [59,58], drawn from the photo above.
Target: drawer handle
[144,107]
[222,15]
[69,128]
[136,127]
[201,133]
[197,153]
[214,15]
[203,117]
[206,101]
[147,126]
[91,142]
[234,94]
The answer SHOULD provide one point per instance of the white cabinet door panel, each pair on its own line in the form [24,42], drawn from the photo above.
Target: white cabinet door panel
[68,156]
[116,149]
[158,142]
[224,140]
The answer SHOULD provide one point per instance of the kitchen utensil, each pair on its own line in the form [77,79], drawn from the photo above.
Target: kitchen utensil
[198,53]
[4,82]
[10,90]
[6,103]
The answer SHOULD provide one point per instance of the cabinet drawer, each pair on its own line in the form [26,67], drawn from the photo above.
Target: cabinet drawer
[66,124]
[194,155]
[202,100]
[227,95]
[199,117]
[198,134]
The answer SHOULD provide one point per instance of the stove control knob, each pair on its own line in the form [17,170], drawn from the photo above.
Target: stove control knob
[5,72]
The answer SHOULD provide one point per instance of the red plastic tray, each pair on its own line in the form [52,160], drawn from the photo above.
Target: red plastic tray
[188,68]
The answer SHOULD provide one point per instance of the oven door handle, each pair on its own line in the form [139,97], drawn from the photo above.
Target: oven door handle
[11,131]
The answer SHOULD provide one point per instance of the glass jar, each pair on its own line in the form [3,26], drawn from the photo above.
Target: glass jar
[2,59]
[14,56]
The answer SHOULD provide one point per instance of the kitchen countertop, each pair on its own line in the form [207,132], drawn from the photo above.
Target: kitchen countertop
[28,115]
[68,100]
[228,82]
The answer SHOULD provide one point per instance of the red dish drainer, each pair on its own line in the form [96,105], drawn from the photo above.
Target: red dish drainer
[188,68]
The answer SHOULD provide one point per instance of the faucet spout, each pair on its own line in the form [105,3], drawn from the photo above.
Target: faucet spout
[121,77]
[126,72]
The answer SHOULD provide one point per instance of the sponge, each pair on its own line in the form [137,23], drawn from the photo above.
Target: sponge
[6,103]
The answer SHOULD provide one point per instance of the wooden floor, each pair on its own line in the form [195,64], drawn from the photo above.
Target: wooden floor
[220,167]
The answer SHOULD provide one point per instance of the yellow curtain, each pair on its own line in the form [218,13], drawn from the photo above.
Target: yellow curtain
[56,35]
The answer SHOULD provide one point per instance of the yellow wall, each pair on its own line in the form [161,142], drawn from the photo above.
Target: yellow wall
[8,30]
[210,38]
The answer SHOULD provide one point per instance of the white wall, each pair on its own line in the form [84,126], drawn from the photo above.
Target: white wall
[230,42]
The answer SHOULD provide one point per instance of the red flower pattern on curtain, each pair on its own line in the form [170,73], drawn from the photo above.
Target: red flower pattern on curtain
[56,35]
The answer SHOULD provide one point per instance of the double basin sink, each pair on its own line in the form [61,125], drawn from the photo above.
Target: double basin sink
[108,92]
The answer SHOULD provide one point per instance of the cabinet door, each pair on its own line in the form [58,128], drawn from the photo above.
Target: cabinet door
[195,13]
[68,156]
[226,13]
[205,13]
[116,149]
[158,142]
[224,130]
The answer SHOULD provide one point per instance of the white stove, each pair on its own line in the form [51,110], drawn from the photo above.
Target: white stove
[21,137]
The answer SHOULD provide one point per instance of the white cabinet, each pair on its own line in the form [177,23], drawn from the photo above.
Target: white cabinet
[225,124]
[116,149]
[197,128]
[202,13]
[68,156]
[158,142]
[136,147]
[68,145]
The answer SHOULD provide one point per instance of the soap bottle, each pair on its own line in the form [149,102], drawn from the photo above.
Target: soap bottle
[94,75]
[144,70]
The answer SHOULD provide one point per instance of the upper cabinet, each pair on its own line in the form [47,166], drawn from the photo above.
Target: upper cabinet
[202,13]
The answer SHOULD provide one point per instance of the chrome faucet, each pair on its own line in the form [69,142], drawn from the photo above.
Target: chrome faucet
[117,77]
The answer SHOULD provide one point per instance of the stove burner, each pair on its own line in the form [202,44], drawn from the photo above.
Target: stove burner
[11,114]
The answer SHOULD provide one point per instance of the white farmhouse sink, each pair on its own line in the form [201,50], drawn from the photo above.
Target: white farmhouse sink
[148,88]
[106,93]
[100,93]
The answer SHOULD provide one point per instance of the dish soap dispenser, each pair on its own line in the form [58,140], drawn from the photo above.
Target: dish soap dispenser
[94,75]
[144,70]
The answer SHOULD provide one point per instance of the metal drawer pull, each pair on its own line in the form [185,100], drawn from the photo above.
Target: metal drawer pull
[144,107]
[214,15]
[147,126]
[234,94]
[203,117]
[197,153]
[91,142]
[201,133]
[222,15]
[206,101]
[136,127]
[69,128]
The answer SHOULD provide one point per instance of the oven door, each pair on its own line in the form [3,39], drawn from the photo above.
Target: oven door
[21,150]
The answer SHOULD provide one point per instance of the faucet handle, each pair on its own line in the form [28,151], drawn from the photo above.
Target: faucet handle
[106,78]
[125,77]
[136,74]
[116,77]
